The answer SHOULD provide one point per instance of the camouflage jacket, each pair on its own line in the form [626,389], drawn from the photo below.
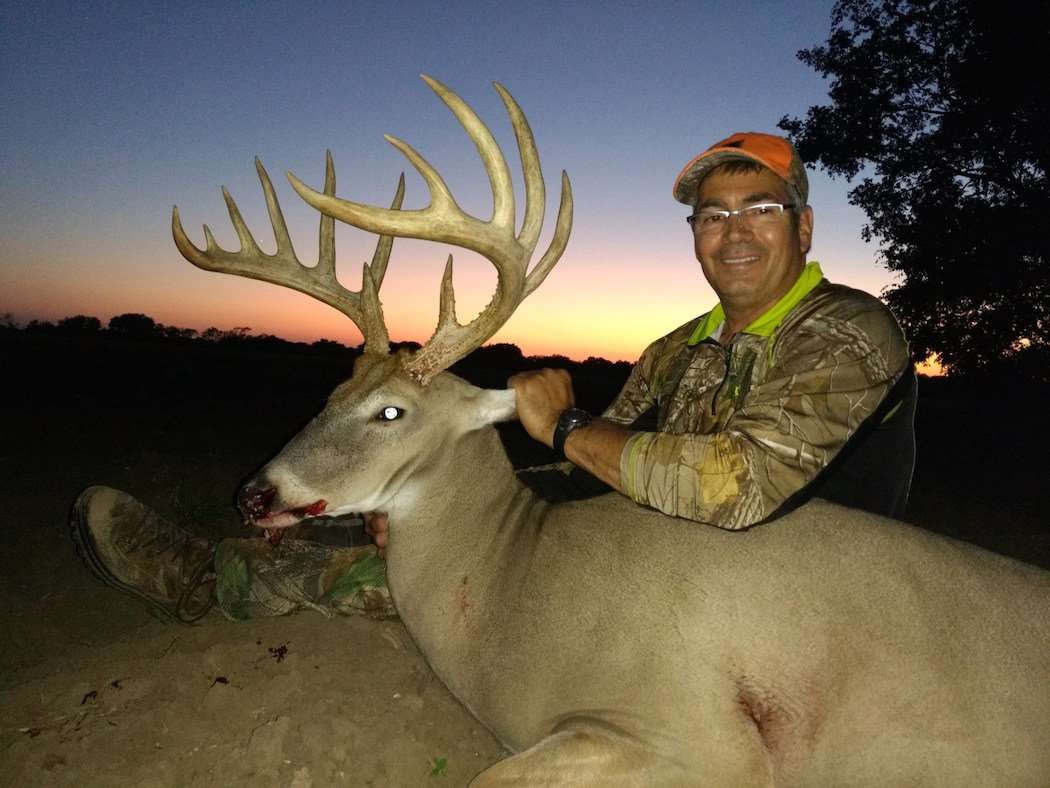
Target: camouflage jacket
[742,426]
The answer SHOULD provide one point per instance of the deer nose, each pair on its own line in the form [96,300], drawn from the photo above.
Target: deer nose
[254,502]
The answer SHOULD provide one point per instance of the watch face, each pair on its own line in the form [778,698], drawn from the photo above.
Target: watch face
[574,417]
[569,420]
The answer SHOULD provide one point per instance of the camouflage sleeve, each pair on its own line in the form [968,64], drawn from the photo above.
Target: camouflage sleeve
[636,397]
[823,379]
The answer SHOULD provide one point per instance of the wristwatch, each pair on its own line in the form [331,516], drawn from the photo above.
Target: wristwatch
[570,419]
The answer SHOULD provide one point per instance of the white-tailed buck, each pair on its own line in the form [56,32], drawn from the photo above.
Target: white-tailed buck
[612,645]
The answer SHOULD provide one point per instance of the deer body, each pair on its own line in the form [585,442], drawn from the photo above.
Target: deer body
[610,644]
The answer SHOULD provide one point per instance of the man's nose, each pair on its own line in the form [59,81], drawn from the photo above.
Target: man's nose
[735,226]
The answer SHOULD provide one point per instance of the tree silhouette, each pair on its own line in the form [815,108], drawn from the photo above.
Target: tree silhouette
[134,324]
[174,332]
[501,355]
[939,108]
[80,324]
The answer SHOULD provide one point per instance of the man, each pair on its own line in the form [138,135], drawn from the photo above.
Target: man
[790,387]
[756,399]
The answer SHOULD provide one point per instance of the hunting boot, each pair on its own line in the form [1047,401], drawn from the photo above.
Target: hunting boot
[130,547]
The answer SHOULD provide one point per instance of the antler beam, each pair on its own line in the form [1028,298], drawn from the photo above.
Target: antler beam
[444,221]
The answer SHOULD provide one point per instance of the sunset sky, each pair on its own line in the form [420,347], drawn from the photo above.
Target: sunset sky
[114,112]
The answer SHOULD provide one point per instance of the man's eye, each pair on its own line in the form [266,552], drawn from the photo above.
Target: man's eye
[712,218]
[389,413]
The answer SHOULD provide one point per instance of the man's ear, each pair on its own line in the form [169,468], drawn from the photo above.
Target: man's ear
[491,405]
[805,230]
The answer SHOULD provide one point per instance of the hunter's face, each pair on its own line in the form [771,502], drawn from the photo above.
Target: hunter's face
[750,266]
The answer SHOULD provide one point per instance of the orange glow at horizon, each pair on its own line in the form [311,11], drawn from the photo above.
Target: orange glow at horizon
[606,298]
[931,367]
[587,307]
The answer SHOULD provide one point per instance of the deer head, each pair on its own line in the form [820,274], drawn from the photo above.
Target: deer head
[397,409]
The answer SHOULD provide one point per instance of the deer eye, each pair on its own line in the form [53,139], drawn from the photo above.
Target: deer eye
[390,413]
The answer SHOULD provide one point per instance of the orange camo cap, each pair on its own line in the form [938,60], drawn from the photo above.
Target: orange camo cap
[769,150]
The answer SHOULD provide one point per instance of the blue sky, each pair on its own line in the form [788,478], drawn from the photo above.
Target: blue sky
[116,111]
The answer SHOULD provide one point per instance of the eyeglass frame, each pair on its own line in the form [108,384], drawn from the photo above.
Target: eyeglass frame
[727,215]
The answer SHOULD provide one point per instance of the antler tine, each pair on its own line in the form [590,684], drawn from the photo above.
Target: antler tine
[491,156]
[536,199]
[444,221]
[284,267]
[562,229]
[326,230]
[535,193]
[386,242]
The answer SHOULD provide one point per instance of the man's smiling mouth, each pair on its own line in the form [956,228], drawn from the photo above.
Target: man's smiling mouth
[738,255]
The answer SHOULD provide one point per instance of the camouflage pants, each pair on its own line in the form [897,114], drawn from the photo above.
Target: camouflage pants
[255,579]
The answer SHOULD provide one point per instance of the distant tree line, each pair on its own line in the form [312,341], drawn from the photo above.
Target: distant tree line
[139,327]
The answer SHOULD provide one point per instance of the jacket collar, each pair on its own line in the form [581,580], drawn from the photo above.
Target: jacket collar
[764,325]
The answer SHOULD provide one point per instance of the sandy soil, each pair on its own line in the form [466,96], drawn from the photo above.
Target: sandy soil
[290,702]
[95,692]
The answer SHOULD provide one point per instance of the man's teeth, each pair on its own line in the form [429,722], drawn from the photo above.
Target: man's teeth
[738,260]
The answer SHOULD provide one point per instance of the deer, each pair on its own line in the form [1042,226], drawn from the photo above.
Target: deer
[608,644]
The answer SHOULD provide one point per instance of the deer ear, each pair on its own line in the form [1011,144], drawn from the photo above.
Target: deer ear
[492,405]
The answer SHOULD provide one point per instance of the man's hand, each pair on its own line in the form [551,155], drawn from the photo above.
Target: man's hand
[541,396]
[376,526]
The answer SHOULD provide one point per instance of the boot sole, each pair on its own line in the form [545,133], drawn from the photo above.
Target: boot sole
[85,548]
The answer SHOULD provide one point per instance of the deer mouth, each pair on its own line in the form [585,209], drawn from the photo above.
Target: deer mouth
[275,523]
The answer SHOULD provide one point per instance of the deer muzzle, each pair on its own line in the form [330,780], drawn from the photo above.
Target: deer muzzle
[256,507]
[254,502]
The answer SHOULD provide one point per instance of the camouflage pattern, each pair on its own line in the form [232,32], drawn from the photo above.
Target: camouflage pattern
[744,425]
[255,579]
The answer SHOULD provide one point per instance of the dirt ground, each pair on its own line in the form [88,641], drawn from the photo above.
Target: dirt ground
[95,692]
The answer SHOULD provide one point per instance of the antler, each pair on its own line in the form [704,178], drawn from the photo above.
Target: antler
[444,221]
[284,268]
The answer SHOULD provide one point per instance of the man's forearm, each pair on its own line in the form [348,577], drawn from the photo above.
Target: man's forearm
[597,448]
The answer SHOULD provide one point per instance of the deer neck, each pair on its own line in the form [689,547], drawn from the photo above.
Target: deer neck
[456,521]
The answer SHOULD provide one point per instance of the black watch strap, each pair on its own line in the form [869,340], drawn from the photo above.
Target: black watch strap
[570,419]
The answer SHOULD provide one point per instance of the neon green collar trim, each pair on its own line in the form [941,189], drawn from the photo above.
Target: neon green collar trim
[767,323]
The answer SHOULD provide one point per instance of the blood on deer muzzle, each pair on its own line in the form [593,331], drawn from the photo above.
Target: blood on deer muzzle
[254,502]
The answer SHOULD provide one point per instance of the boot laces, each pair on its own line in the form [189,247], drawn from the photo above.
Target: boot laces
[167,537]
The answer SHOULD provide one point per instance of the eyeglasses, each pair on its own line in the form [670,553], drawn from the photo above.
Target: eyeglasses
[709,220]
